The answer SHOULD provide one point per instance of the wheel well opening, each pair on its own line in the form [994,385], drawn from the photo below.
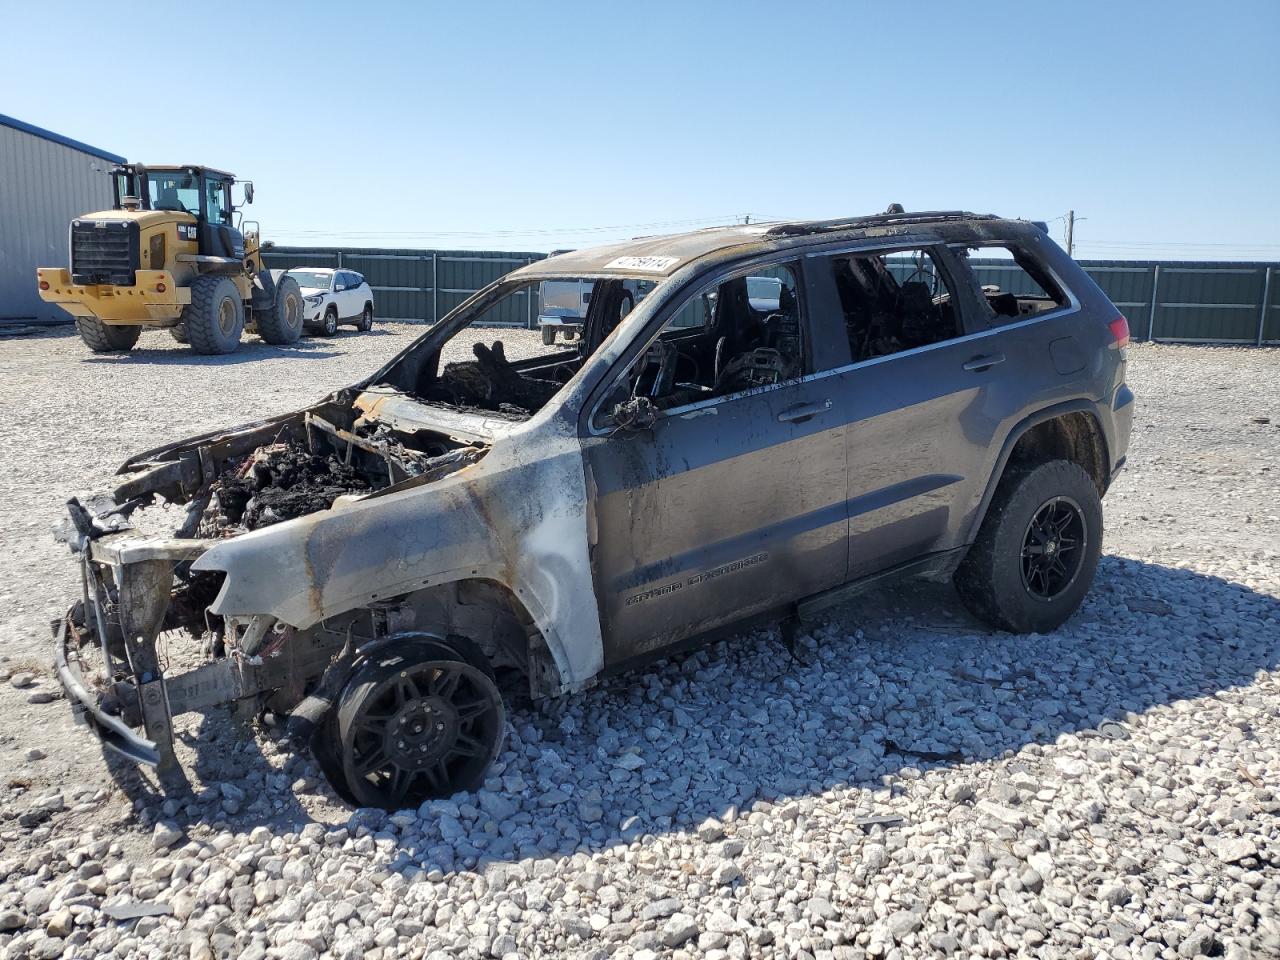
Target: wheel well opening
[491,615]
[1072,436]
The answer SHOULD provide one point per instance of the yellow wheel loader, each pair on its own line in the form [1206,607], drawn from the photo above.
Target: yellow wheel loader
[170,254]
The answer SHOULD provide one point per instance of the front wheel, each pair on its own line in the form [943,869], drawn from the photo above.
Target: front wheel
[214,319]
[331,322]
[411,725]
[106,337]
[1037,551]
[281,323]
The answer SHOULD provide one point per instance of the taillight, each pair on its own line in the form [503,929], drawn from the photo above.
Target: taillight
[1119,332]
[160,288]
[44,284]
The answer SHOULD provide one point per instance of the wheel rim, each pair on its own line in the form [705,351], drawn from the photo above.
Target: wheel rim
[367,320]
[292,313]
[227,316]
[331,323]
[1053,548]
[420,730]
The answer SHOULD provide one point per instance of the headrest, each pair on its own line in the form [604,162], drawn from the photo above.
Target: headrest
[915,297]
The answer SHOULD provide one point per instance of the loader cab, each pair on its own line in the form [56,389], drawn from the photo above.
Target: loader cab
[201,192]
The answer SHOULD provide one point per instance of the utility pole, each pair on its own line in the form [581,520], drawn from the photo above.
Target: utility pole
[1071,229]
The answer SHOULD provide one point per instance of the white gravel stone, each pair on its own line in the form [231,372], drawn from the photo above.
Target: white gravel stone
[166,834]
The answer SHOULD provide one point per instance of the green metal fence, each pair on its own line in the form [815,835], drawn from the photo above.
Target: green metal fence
[1170,301]
[1189,302]
[419,285]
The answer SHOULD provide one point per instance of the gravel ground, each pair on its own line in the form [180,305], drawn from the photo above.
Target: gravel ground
[913,786]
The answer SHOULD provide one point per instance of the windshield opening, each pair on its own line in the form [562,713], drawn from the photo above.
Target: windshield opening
[512,355]
[311,278]
[174,190]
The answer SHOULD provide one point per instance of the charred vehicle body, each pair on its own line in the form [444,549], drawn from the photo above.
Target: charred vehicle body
[701,456]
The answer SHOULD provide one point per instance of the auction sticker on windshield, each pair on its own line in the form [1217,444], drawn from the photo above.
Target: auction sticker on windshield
[644,264]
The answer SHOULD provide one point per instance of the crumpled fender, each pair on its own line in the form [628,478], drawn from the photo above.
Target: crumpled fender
[518,516]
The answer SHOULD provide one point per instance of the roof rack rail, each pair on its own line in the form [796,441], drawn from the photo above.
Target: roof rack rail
[874,220]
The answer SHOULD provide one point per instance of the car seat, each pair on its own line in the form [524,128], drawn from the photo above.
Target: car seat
[168,200]
[921,320]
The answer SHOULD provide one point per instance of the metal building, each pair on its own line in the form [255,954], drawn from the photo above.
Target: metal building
[45,181]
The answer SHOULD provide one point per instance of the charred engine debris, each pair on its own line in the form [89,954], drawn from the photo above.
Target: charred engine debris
[269,473]
[291,478]
[276,482]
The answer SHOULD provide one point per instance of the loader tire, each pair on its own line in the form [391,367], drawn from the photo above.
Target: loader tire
[104,338]
[281,323]
[179,333]
[214,319]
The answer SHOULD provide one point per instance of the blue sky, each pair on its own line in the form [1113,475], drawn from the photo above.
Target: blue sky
[540,125]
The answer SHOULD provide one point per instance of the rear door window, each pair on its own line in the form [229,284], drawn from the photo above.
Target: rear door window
[1014,284]
[894,301]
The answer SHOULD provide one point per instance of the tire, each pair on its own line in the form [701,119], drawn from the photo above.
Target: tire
[450,739]
[179,333]
[214,319]
[365,323]
[281,323]
[104,337]
[330,322]
[1020,575]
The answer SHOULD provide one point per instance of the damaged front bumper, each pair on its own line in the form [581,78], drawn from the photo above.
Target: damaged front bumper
[148,642]
[126,590]
[112,652]
[87,705]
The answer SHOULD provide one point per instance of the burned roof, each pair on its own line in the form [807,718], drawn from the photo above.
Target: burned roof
[661,256]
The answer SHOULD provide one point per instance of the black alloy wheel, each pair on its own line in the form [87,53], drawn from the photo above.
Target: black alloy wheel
[412,730]
[1053,548]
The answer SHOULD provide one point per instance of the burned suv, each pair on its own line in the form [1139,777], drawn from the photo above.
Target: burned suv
[757,421]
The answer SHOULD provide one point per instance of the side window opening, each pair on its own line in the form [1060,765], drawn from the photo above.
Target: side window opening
[1014,285]
[742,334]
[214,202]
[894,301]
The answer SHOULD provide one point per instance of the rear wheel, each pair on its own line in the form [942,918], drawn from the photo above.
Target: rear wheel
[179,333]
[365,323]
[1037,551]
[331,322]
[214,319]
[420,722]
[282,322]
[104,337]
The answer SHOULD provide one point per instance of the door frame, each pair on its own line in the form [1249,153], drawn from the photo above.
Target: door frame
[816,340]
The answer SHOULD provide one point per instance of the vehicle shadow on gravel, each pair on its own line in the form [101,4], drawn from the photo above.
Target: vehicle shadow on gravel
[903,678]
[234,782]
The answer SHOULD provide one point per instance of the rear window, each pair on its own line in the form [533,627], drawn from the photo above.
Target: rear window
[1014,284]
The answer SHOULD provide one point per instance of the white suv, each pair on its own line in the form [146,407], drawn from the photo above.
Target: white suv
[331,297]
